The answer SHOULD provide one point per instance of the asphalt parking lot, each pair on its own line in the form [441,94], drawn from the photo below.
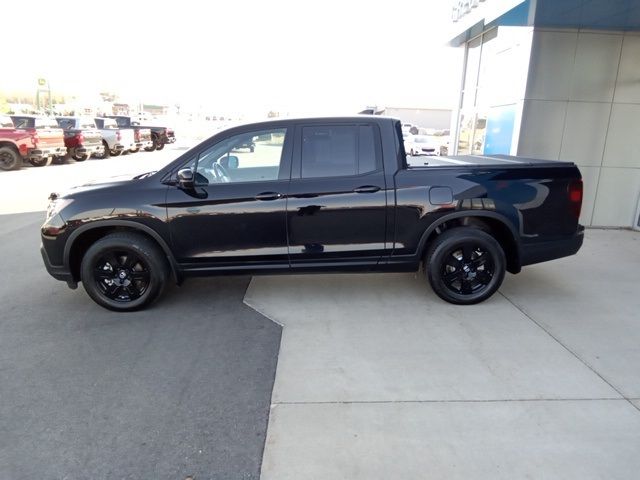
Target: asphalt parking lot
[375,377]
[181,389]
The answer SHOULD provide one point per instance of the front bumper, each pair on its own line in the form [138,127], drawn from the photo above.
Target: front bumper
[545,251]
[59,272]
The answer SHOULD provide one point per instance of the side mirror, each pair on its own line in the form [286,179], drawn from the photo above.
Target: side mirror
[186,179]
[233,161]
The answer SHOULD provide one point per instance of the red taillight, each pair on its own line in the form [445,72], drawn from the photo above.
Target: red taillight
[79,138]
[118,136]
[575,197]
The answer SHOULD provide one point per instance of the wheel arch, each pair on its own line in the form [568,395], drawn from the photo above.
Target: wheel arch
[82,238]
[493,223]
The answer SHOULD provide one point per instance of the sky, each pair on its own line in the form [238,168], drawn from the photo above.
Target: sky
[250,56]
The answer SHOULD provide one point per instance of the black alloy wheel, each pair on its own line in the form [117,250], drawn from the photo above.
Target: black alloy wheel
[9,159]
[122,275]
[465,265]
[124,271]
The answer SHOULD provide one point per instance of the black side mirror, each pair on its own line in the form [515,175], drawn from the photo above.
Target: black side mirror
[186,178]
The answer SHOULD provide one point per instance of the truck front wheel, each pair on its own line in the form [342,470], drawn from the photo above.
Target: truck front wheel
[9,159]
[465,265]
[124,271]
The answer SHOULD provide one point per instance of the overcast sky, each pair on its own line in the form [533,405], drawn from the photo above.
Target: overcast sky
[240,55]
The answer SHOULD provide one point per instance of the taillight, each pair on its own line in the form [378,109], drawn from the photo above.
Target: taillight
[118,135]
[575,197]
[136,135]
[79,138]
[35,139]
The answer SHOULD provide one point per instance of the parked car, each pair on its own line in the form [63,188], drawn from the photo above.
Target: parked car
[160,136]
[81,137]
[333,194]
[142,135]
[421,145]
[47,138]
[115,140]
[410,128]
[15,144]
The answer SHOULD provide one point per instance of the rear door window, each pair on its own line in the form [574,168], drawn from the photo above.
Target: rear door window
[338,150]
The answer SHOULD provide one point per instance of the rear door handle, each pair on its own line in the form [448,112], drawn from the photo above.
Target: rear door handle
[366,189]
[268,196]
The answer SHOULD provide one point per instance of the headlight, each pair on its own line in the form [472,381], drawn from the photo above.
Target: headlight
[56,204]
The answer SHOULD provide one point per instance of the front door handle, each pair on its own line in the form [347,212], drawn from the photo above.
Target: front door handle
[268,196]
[366,189]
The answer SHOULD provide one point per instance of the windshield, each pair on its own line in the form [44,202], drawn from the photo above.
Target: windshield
[45,122]
[5,122]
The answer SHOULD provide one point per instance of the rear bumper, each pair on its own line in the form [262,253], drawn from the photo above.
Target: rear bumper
[169,140]
[59,272]
[545,251]
[145,144]
[45,152]
[89,149]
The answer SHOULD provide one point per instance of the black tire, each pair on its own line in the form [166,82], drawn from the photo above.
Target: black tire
[465,265]
[154,139]
[60,159]
[251,149]
[41,162]
[159,145]
[115,153]
[124,271]
[10,159]
[104,154]
[81,158]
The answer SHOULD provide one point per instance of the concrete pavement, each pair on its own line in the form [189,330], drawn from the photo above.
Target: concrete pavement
[378,378]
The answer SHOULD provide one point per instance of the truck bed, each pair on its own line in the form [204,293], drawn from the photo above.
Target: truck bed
[480,160]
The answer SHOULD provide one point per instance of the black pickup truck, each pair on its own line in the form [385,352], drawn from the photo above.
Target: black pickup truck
[320,194]
[160,136]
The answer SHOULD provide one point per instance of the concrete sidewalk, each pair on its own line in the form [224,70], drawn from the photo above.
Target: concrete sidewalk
[378,378]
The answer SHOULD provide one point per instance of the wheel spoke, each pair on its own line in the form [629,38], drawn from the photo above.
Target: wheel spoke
[484,277]
[452,276]
[133,291]
[465,287]
[112,260]
[101,274]
[130,260]
[140,276]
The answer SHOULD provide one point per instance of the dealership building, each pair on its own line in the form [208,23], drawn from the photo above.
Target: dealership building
[558,80]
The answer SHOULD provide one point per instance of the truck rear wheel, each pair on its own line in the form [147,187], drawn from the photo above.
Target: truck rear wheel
[41,162]
[81,158]
[104,154]
[159,145]
[9,159]
[465,265]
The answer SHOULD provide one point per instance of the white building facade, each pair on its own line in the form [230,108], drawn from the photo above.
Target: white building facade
[558,80]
